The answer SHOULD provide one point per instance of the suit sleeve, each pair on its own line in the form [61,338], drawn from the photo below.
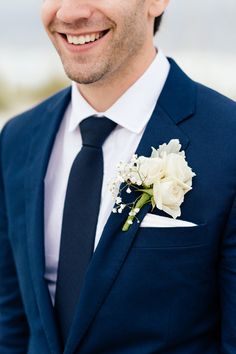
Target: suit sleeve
[228,286]
[14,331]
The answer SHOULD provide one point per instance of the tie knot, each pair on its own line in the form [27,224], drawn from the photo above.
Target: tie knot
[95,130]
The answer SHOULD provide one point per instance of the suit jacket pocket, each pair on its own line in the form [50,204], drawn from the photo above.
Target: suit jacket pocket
[171,237]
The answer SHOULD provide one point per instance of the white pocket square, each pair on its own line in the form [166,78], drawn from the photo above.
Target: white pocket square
[152,220]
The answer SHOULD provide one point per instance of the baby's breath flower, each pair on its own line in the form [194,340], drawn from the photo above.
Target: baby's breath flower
[118,200]
[163,177]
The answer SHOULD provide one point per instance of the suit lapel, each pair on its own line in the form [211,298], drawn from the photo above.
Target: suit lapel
[42,141]
[175,104]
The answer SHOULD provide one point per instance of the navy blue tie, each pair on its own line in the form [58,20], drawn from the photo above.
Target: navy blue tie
[80,217]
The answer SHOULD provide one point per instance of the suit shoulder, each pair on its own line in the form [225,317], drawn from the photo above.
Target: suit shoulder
[214,103]
[16,134]
[25,121]
[214,122]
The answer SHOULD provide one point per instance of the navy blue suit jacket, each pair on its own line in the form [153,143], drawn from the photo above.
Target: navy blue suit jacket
[149,290]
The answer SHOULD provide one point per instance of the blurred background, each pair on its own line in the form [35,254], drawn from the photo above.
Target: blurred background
[199,34]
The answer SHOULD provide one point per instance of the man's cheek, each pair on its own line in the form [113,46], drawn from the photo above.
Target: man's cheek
[48,12]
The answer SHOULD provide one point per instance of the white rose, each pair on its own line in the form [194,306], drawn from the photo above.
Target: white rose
[168,196]
[177,168]
[151,170]
[173,147]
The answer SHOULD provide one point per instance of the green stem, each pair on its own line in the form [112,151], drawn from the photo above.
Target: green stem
[147,191]
[144,199]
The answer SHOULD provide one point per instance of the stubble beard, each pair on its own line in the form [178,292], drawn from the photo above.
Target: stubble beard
[121,51]
[85,73]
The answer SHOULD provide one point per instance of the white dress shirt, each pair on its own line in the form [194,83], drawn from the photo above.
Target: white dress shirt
[131,112]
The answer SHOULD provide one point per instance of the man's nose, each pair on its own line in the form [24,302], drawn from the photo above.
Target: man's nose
[73,10]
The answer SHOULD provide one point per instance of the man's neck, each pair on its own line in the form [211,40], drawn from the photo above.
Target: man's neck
[104,93]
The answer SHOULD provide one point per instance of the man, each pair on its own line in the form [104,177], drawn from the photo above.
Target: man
[152,289]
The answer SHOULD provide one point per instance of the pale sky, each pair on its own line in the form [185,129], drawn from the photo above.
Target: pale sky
[200,34]
[207,24]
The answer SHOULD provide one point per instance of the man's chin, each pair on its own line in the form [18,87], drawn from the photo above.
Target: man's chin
[82,78]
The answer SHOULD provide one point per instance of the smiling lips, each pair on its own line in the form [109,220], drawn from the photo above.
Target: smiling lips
[85,38]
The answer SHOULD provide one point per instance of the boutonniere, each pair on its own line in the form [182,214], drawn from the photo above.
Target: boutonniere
[161,180]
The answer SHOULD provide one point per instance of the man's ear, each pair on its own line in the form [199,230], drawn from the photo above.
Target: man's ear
[157,7]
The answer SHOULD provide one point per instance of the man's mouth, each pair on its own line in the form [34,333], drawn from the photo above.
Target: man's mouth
[85,38]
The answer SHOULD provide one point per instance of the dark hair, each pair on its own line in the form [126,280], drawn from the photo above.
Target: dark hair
[157,23]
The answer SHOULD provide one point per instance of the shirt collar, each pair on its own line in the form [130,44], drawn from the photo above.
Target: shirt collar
[134,108]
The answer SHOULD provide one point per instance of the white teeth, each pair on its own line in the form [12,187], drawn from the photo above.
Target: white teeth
[87,38]
[82,39]
[69,39]
[92,37]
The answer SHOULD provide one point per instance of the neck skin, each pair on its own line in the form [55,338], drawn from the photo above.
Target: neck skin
[103,94]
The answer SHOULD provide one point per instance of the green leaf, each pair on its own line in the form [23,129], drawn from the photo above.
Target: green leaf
[147,191]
